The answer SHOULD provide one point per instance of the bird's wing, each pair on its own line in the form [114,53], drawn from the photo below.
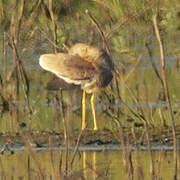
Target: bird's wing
[71,68]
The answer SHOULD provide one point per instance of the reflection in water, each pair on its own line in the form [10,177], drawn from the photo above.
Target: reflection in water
[94,165]
[89,165]
[84,165]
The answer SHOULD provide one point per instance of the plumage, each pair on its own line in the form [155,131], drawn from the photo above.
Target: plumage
[84,65]
[70,68]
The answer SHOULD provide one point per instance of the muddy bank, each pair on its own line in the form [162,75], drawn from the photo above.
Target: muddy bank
[89,140]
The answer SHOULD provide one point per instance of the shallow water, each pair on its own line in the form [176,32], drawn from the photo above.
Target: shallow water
[87,164]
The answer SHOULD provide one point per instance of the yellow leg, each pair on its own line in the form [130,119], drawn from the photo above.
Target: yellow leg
[84,110]
[93,112]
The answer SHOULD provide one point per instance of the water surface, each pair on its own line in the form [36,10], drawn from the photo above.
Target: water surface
[87,165]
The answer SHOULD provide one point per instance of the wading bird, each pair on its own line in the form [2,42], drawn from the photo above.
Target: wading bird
[84,65]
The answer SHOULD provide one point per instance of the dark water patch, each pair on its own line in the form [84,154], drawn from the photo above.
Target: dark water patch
[95,148]
[159,104]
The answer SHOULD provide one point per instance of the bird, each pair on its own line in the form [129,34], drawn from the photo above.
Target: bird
[83,65]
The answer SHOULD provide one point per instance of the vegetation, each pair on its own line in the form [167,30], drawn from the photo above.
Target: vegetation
[143,100]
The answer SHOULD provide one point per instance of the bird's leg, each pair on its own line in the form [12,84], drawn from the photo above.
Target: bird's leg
[93,111]
[84,110]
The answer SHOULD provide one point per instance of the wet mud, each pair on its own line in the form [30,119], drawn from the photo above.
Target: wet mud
[104,139]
